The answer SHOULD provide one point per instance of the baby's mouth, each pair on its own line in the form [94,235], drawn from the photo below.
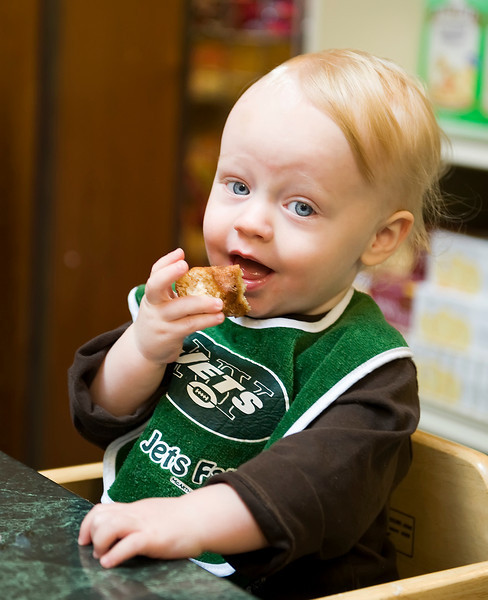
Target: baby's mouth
[251,269]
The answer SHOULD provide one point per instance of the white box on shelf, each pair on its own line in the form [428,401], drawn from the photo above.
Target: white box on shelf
[459,262]
[448,319]
[453,380]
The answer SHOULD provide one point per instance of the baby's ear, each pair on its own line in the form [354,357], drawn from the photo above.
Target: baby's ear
[388,238]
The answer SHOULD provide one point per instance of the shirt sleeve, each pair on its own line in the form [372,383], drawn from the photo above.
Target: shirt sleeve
[319,491]
[93,422]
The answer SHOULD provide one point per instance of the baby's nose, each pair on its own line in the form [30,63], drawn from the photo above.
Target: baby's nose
[254,220]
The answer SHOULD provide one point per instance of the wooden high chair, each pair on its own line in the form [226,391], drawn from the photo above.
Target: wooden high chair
[438,522]
[84,480]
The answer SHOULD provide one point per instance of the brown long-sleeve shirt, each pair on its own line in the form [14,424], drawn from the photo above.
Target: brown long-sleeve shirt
[320,496]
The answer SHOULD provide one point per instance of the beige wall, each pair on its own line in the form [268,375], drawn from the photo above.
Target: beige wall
[388,28]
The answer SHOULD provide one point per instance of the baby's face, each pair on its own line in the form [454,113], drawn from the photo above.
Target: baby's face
[288,204]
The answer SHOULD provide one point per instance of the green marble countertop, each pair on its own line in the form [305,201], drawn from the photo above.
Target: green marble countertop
[41,560]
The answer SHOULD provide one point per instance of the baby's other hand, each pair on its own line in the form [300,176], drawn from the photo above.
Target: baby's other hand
[154,527]
[213,518]
[164,320]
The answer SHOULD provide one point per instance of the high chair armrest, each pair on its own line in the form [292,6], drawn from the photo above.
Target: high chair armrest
[460,583]
[74,473]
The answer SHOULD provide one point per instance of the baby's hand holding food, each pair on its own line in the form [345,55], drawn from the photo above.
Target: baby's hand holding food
[164,320]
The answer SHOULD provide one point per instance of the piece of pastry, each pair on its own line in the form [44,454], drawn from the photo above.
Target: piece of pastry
[225,283]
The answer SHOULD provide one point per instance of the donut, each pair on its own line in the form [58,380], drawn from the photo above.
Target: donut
[225,283]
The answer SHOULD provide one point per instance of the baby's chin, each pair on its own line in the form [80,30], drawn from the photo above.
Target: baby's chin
[287,311]
[267,303]
[270,313]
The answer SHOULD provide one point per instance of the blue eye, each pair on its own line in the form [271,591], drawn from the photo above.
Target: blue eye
[238,188]
[302,209]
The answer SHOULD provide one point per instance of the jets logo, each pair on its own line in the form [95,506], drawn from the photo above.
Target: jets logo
[226,393]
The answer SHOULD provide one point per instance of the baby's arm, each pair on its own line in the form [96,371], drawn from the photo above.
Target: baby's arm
[135,365]
[212,519]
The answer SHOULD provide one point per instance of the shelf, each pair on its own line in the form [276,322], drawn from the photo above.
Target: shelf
[446,422]
[469,147]
[245,37]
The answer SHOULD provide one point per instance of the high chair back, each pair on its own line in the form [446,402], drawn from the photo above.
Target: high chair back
[439,513]
[439,525]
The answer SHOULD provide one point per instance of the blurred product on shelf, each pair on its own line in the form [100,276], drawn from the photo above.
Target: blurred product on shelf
[449,326]
[230,44]
[449,319]
[451,379]
[454,62]
[276,16]
[459,262]
[393,289]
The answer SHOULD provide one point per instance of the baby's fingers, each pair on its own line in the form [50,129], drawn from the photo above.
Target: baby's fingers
[103,526]
[168,259]
[84,535]
[188,306]
[159,284]
[129,546]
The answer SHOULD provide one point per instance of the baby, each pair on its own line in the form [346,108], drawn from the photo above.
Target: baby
[266,447]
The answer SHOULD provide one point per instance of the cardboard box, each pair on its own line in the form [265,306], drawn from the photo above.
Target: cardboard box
[459,262]
[453,379]
[453,58]
[448,319]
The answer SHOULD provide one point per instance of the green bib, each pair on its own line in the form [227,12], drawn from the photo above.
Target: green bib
[239,387]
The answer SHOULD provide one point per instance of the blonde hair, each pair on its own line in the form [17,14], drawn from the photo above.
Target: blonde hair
[388,122]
